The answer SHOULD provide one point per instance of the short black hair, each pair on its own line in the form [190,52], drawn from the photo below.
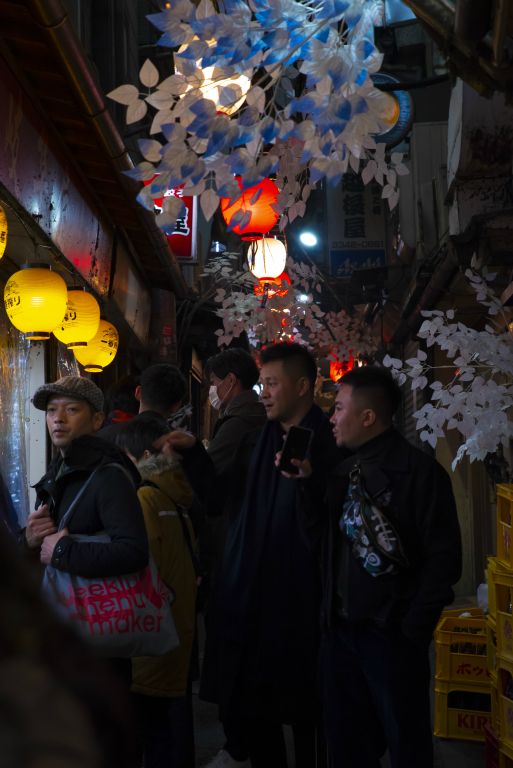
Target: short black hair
[163,386]
[121,396]
[140,434]
[378,387]
[293,356]
[236,361]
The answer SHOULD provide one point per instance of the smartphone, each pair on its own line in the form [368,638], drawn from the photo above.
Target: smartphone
[296,446]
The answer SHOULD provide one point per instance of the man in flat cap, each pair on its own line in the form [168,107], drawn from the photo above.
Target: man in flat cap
[109,503]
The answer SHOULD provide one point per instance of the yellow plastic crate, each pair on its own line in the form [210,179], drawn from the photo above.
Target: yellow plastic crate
[494,700]
[493,567]
[461,711]
[491,646]
[461,650]
[505,755]
[503,591]
[505,525]
[505,697]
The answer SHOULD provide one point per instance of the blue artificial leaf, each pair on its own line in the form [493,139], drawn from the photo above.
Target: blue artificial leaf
[344,110]
[269,129]
[360,107]
[361,77]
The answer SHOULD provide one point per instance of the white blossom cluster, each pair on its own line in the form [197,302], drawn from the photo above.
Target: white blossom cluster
[478,398]
[311,112]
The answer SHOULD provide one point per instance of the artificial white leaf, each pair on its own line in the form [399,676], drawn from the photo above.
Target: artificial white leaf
[393,200]
[160,100]
[354,162]
[256,98]
[136,112]
[125,94]
[369,171]
[150,149]
[149,74]
[209,201]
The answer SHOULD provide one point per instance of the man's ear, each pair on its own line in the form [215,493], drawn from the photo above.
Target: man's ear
[303,386]
[137,392]
[98,419]
[368,417]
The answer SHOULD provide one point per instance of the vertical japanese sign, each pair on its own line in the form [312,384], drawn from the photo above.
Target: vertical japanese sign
[182,240]
[356,226]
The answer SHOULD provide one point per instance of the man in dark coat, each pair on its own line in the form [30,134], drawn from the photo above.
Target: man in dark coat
[263,638]
[380,611]
[232,374]
[74,412]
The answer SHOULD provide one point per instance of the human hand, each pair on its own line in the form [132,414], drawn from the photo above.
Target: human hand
[39,525]
[176,442]
[304,468]
[48,545]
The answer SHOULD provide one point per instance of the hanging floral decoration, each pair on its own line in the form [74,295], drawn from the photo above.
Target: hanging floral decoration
[292,315]
[477,399]
[312,110]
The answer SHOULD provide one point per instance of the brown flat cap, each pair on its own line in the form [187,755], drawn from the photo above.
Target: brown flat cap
[77,387]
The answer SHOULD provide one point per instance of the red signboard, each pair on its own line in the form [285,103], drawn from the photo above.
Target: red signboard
[182,240]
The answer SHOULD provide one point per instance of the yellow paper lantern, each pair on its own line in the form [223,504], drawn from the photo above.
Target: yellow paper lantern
[3,231]
[35,301]
[81,321]
[101,350]
[267,257]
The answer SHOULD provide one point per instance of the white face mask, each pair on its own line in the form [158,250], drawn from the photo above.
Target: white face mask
[213,397]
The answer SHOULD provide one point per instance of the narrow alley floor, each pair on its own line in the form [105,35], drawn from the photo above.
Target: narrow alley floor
[449,753]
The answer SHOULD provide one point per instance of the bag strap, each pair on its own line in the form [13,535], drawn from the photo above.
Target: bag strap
[367,500]
[183,522]
[188,540]
[68,514]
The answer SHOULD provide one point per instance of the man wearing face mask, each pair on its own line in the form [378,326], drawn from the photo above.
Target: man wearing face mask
[233,374]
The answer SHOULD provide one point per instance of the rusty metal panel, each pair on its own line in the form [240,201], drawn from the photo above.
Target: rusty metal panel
[46,184]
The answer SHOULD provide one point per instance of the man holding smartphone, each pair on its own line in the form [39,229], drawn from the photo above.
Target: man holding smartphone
[265,613]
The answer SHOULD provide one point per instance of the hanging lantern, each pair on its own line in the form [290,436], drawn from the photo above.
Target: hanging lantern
[274,286]
[81,321]
[258,202]
[3,231]
[396,110]
[35,301]
[100,351]
[339,368]
[267,257]
[228,92]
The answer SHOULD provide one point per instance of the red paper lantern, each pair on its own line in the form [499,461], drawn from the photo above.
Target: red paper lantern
[339,368]
[273,286]
[258,201]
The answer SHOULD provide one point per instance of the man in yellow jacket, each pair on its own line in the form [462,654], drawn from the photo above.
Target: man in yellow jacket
[160,684]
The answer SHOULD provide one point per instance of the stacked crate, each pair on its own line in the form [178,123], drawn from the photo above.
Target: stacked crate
[500,626]
[462,682]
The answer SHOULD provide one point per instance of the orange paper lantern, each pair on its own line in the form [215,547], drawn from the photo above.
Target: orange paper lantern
[258,201]
[273,286]
[339,368]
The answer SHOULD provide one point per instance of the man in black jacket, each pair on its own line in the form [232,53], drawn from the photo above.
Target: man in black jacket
[74,412]
[380,610]
[261,655]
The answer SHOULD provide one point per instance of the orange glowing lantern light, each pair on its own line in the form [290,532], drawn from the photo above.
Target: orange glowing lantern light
[273,286]
[339,368]
[258,201]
